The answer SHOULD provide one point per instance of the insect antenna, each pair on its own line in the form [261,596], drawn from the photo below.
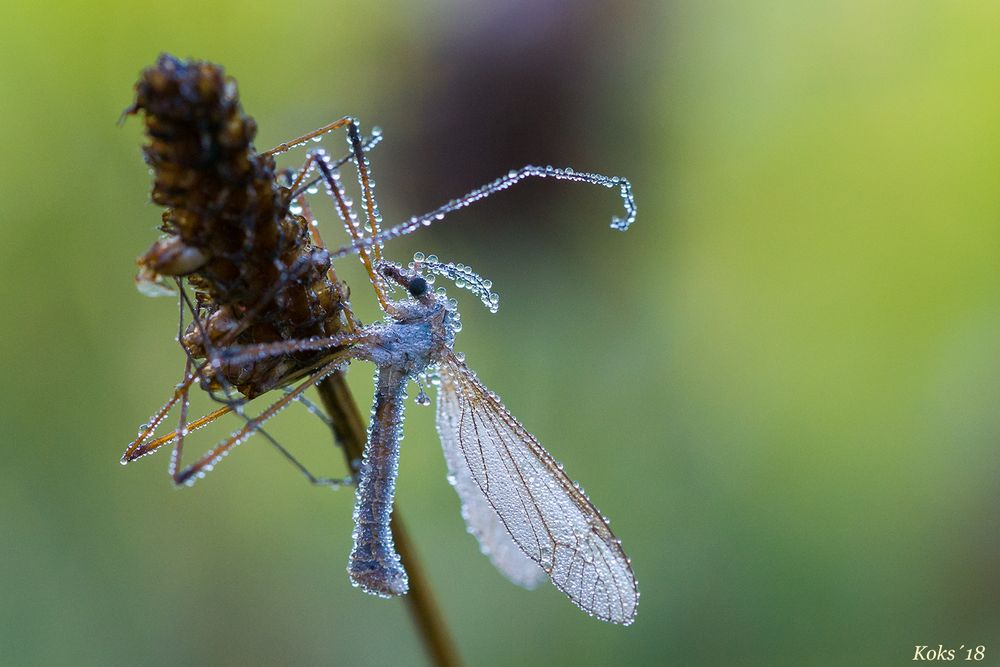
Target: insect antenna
[461,274]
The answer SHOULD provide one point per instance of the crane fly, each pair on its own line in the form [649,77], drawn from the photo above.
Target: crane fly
[530,519]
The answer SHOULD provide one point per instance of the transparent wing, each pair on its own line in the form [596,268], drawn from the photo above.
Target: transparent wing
[546,515]
[480,518]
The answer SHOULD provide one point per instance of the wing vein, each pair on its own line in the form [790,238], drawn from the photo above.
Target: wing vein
[546,516]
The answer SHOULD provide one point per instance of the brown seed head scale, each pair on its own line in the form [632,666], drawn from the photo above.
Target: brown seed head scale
[228,229]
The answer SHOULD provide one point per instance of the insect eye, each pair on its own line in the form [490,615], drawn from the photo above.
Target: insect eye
[417,286]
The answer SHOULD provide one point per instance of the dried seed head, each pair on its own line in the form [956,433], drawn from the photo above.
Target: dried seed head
[228,228]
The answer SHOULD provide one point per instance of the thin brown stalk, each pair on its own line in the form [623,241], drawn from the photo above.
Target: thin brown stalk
[349,429]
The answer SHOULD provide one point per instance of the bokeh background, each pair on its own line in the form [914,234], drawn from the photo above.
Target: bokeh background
[781,384]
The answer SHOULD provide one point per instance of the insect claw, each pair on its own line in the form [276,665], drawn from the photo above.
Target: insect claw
[184,476]
[137,453]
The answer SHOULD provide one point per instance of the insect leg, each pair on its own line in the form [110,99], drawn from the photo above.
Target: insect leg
[511,178]
[230,354]
[332,482]
[142,448]
[182,426]
[210,353]
[139,447]
[217,358]
[176,437]
[370,142]
[242,354]
[289,145]
[361,162]
[208,460]
[175,456]
[351,322]
[335,189]
[296,186]
[367,183]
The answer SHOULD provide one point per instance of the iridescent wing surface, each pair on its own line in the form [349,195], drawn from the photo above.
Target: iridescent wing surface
[546,515]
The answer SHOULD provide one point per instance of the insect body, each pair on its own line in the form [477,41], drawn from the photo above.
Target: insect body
[420,335]
[269,311]
[526,513]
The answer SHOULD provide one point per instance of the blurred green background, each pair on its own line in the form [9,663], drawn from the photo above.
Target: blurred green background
[781,384]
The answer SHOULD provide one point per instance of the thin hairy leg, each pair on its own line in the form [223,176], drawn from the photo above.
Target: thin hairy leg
[208,461]
[242,354]
[369,143]
[331,482]
[362,164]
[335,190]
[149,447]
[182,426]
[211,354]
[351,322]
[367,184]
[139,447]
[326,129]
[513,177]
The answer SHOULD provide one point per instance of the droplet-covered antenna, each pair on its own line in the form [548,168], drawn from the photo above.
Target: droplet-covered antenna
[502,183]
[463,276]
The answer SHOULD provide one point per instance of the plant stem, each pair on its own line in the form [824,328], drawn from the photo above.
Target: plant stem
[349,429]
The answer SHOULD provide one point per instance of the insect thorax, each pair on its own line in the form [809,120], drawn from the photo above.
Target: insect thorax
[419,336]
